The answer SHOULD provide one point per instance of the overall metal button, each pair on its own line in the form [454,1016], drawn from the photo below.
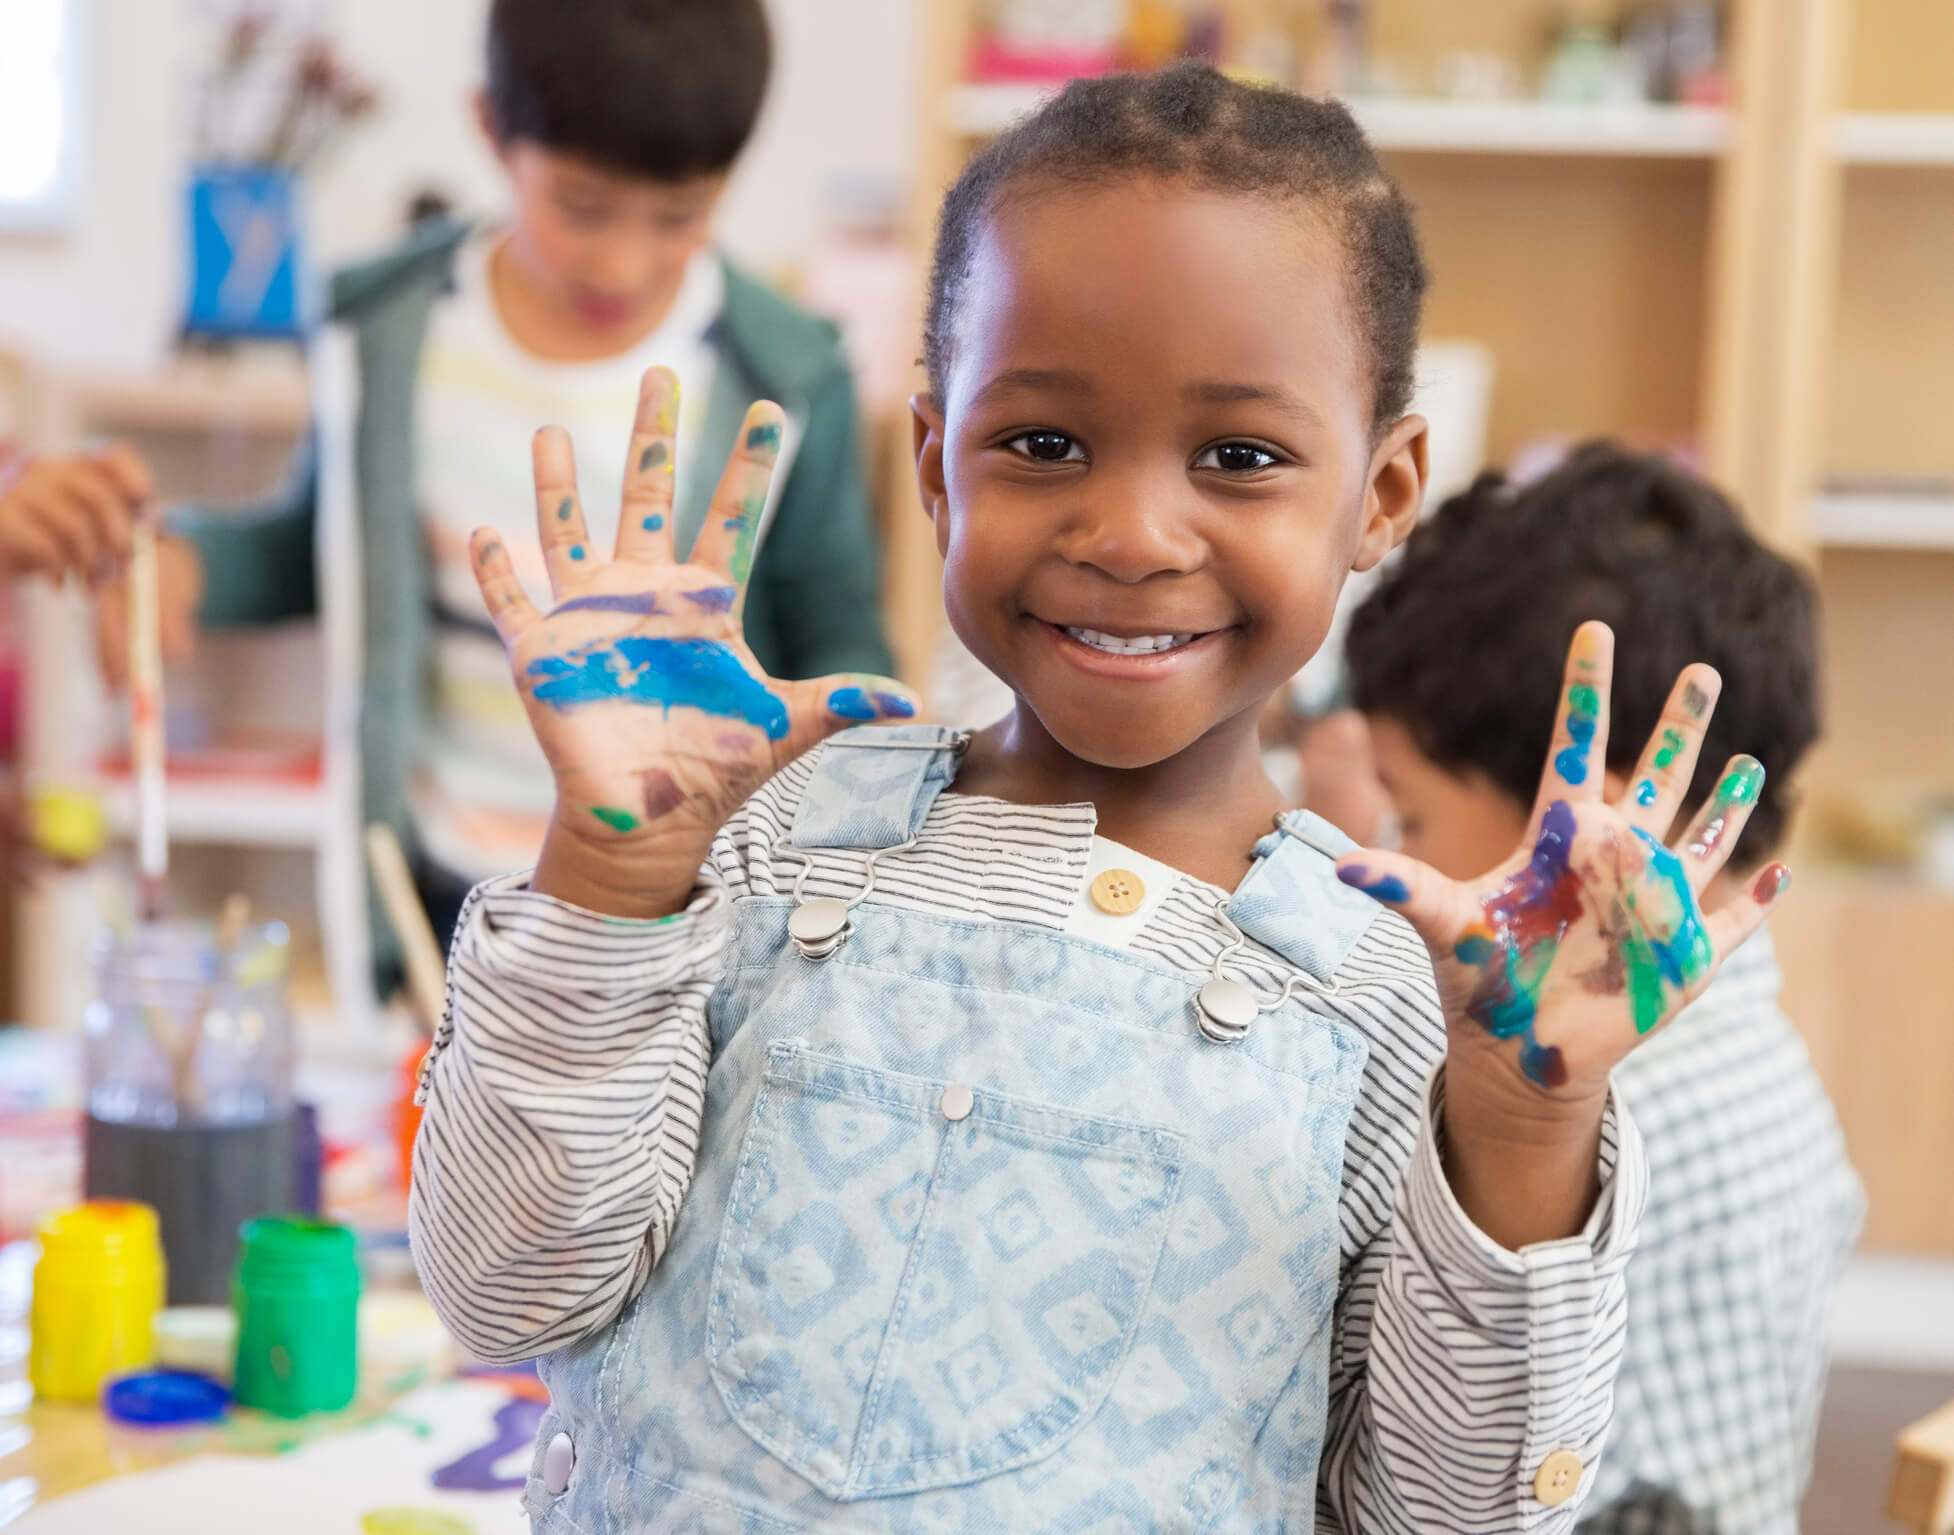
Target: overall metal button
[1225,1009]
[559,1455]
[818,926]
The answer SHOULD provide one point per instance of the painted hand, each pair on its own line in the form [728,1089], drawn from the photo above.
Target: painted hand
[1554,966]
[654,715]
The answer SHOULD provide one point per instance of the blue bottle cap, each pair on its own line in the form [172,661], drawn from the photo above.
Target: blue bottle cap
[160,1398]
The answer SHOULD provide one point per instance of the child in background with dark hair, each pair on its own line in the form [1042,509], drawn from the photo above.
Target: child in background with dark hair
[1081,1142]
[1752,1204]
[617,123]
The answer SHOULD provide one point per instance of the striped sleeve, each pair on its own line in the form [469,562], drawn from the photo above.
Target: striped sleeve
[1475,1364]
[564,1096]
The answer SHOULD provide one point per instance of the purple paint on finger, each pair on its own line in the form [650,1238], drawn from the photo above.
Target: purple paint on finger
[1380,887]
[642,603]
[895,707]
[714,599]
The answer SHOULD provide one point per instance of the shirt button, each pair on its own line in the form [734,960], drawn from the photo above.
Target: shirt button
[1559,1474]
[1118,891]
[558,1457]
[957,1101]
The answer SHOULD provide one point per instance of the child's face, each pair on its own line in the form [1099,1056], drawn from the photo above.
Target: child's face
[607,250]
[1156,427]
[1460,824]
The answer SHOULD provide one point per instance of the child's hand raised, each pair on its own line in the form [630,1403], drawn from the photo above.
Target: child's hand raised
[654,715]
[1554,966]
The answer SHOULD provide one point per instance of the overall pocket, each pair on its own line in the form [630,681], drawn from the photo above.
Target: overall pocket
[917,1285]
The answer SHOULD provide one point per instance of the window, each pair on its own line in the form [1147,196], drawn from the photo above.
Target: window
[40,111]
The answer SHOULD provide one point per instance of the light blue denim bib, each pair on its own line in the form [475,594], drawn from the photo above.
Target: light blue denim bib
[987,1235]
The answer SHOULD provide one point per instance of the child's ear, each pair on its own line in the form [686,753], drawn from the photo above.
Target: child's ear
[1397,491]
[926,425]
[485,120]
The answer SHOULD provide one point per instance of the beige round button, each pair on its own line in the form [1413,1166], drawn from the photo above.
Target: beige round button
[957,1102]
[1118,891]
[1559,1475]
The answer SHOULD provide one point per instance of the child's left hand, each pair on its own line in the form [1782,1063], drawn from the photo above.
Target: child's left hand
[1558,963]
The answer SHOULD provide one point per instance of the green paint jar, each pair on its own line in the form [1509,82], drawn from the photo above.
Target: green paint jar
[297,1295]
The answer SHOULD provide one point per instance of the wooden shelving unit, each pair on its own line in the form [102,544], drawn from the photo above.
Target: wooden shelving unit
[1770,282]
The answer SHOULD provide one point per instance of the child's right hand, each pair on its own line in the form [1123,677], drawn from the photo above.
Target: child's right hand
[72,515]
[654,715]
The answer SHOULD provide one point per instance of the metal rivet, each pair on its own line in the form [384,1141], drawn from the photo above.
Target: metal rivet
[559,1458]
[1225,1009]
[957,1102]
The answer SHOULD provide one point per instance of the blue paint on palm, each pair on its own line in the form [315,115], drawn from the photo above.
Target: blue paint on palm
[673,673]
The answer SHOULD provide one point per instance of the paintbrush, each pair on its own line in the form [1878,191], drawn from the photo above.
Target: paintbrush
[426,974]
[146,749]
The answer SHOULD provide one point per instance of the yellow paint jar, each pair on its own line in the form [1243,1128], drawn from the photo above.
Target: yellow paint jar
[97,1289]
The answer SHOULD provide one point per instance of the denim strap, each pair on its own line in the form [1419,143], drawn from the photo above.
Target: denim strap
[1291,900]
[874,784]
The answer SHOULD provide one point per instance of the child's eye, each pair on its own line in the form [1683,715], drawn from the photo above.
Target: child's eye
[1048,447]
[1235,458]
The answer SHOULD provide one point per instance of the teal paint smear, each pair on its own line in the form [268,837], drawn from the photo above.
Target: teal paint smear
[764,437]
[617,820]
[748,525]
[1685,954]
[565,507]
[576,551]
[672,673]
[653,524]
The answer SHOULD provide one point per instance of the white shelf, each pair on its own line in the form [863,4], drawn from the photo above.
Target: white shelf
[231,812]
[1443,127]
[1894,138]
[1883,522]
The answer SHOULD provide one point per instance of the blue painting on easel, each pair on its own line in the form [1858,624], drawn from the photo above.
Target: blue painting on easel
[244,252]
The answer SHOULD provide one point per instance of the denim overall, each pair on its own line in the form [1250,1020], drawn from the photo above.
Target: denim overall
[988,1233]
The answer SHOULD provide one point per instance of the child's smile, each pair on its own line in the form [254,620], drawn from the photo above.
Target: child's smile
[1156,463]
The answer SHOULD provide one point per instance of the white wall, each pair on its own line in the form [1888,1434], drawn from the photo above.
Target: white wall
[104,293]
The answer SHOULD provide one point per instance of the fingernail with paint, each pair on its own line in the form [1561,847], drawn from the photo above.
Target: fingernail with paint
[851,704]
[895,707]
[1770,884]
[1380,887]
[1742,784]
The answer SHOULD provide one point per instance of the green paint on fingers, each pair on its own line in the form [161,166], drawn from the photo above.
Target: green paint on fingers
[616,819]
[1743,783]
[1671,748]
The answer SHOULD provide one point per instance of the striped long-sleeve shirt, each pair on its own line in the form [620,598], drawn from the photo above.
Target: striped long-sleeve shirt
[567,1084]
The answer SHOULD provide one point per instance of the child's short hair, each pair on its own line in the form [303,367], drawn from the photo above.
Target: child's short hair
[661,89]
[1193,124]
[1463,641]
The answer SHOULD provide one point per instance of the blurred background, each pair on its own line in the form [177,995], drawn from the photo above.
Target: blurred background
[1725,231]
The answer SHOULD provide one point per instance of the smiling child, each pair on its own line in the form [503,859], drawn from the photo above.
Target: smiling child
[1044,1131]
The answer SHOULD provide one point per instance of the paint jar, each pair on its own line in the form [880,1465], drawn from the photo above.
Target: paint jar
[97,1289]
[297,1298]
[189,1090]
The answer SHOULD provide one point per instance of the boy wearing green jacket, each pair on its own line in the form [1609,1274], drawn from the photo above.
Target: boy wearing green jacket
[617,123]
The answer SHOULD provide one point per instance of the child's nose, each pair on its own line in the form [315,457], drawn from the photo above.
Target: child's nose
[1131,531]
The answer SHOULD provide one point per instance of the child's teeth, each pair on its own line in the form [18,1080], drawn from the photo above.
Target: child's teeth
[1139,645]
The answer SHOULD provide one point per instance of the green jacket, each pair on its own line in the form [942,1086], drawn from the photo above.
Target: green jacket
[811,605]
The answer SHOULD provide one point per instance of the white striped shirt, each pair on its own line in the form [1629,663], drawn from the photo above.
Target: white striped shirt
[567,1083]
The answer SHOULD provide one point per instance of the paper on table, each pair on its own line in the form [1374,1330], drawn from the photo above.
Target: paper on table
[325,1488]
